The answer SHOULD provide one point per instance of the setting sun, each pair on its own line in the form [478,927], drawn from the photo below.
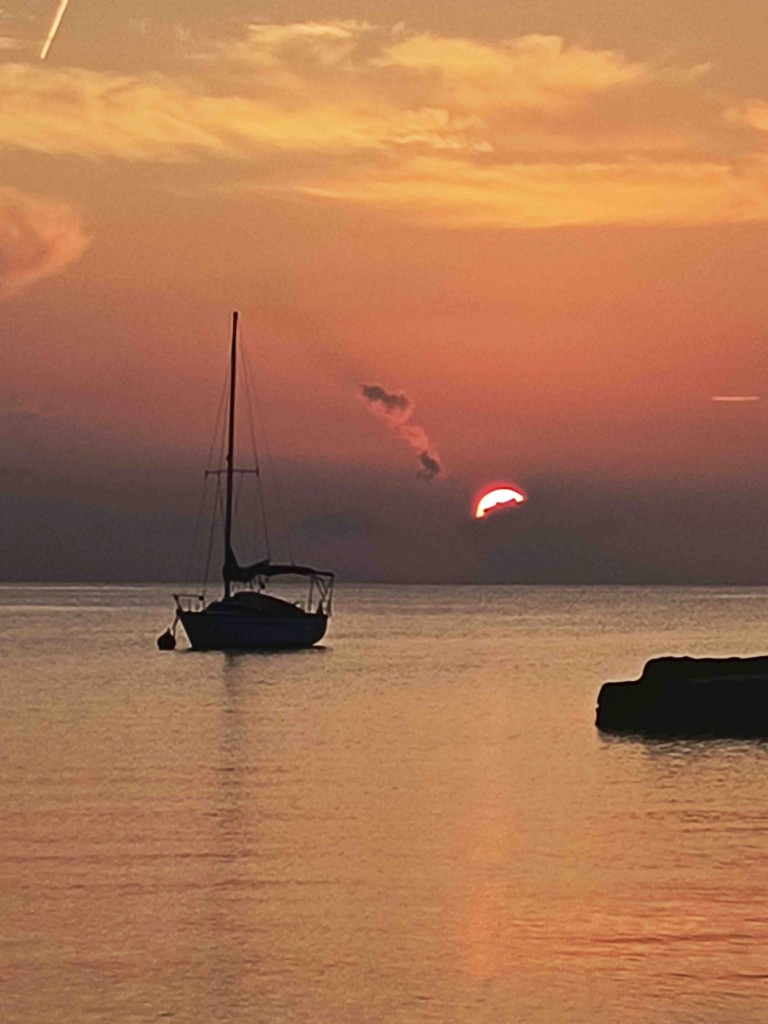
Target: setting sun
[494,498]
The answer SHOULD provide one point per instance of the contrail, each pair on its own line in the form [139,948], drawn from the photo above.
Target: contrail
[63,4]
[735,398]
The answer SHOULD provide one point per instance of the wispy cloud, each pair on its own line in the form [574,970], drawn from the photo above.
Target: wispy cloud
[529,195]
[533,72]
[523,133]
[38,238]
[735,398]
[96,115]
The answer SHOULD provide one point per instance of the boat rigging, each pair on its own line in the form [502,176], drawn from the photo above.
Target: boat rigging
[247,616]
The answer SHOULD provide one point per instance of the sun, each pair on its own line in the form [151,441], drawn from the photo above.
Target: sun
[499,496]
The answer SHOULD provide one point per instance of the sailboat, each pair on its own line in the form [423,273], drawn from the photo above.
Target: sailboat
[247,616]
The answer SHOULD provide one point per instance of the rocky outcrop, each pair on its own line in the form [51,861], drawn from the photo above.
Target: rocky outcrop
[725,697]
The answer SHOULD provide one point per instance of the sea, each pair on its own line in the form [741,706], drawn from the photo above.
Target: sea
[417,822]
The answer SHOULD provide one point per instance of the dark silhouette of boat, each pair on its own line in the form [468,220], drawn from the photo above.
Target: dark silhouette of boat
[250,618]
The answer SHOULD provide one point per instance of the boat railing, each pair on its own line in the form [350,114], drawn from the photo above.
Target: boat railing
[189,602]
[320,597]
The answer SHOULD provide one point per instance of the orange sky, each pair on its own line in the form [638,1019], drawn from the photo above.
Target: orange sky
[545,223]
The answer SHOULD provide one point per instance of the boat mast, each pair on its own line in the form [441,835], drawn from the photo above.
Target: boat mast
[230,453]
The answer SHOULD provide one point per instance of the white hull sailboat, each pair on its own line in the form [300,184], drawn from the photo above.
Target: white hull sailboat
[247,617]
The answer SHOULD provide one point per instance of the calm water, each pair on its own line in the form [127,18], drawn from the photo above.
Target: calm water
[417,823]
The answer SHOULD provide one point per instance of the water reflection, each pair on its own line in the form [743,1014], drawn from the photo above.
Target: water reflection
[489,831]
[240,653]
[234,898]
[418,823]
[673,753]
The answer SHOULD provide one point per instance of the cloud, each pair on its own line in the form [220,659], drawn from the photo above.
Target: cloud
[388,403]
[38,238]
[752,113]
[430,467]
[536,71]
[344,86]
[735,398]
[157,118]
[531,132]
[453,194]
[395,408]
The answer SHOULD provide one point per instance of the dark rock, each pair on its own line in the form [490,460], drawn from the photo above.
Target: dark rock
[725,697]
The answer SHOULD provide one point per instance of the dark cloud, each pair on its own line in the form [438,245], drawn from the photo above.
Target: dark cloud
[396,409]
[430,467]
[389,402]
[366,523]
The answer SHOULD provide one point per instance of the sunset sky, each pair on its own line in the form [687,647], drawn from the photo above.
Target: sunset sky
[546,224]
